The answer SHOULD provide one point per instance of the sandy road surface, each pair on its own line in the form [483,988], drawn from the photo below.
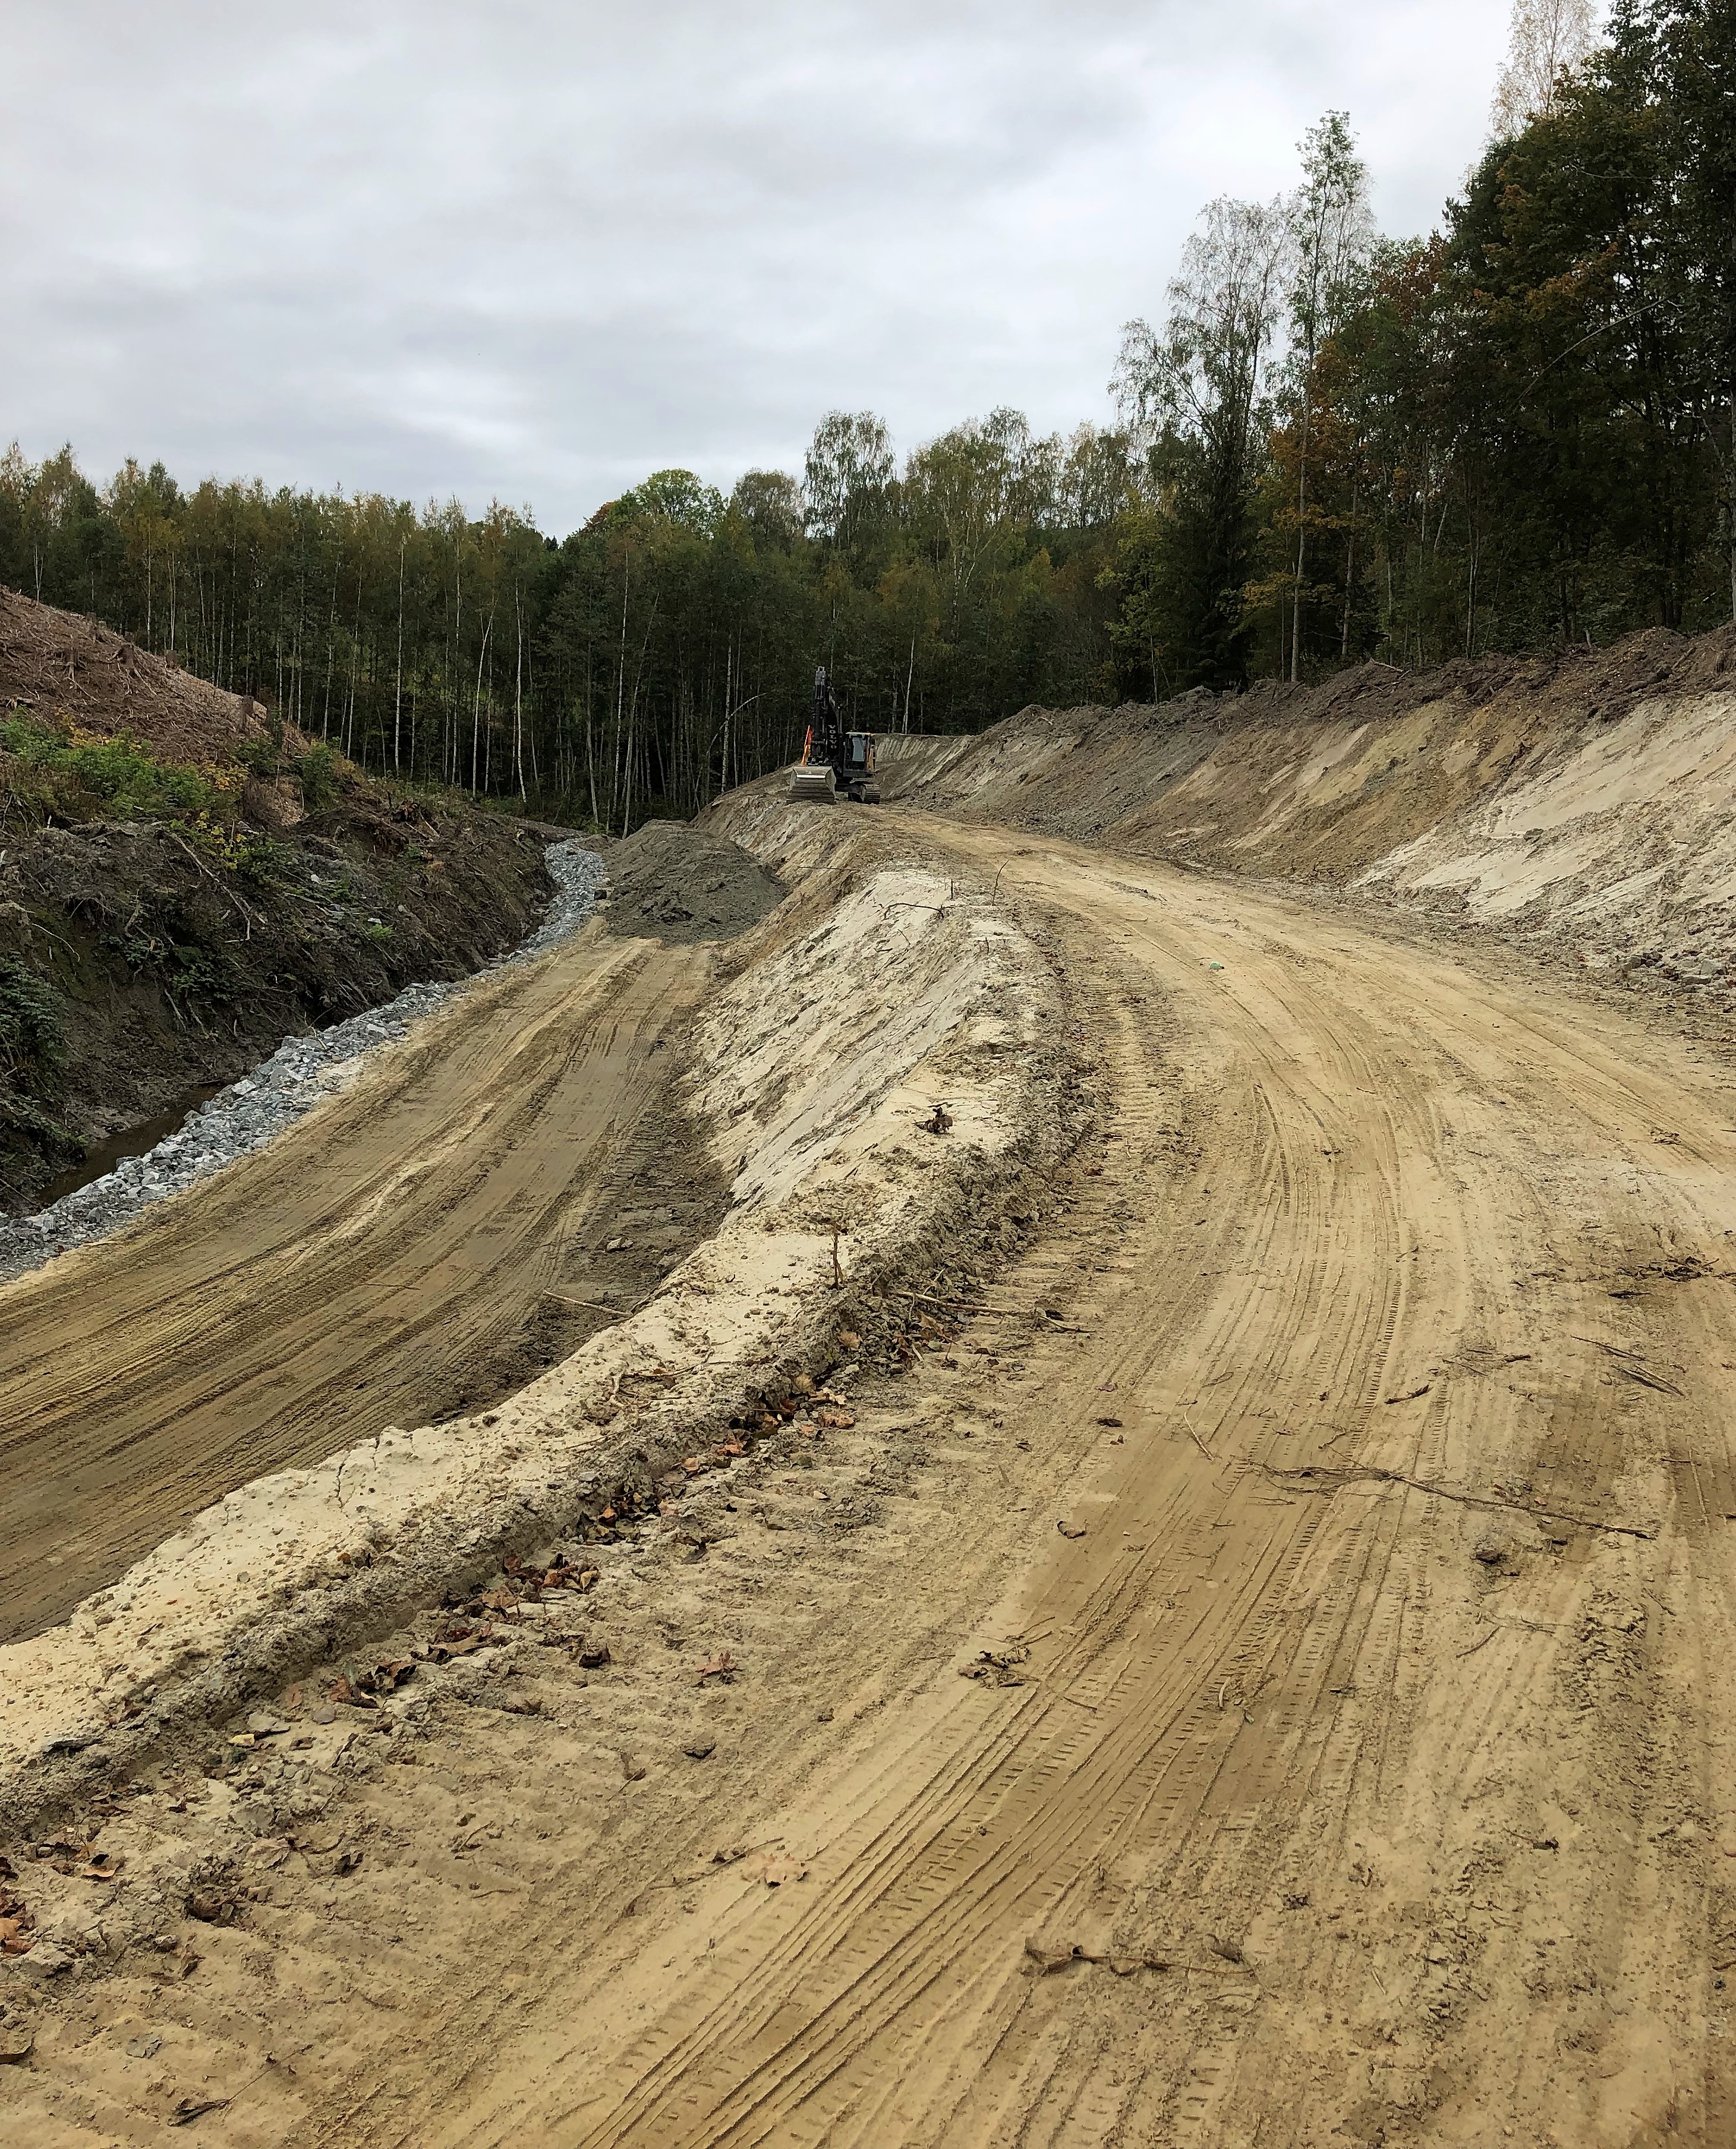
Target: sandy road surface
[1420,1802]
[365,1270]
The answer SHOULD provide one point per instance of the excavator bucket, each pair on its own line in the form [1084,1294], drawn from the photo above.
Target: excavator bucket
[813,783]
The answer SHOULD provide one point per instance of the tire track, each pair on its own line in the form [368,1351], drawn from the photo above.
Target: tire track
[1235,1676]
[145,1377]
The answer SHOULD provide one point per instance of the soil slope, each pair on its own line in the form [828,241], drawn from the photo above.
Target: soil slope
[1587,801]
[1329,1509]
[442,1251]
[145,954]
[1222,1636]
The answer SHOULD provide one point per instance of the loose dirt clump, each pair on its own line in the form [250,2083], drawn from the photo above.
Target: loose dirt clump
[680,883]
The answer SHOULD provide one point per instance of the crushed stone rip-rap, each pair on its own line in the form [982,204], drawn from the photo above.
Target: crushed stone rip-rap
[255,1110]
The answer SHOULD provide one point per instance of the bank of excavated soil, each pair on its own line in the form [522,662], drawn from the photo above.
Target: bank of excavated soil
[820,1045]
[151,948]
[1581,803]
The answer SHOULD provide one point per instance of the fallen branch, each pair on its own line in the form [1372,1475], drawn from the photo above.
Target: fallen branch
[1050,1959]
[1336,1480]
[227,895]
[1637,1370]
[1201,1445]
[591,1304]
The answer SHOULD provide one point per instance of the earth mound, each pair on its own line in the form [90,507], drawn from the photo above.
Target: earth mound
[58,664]
[671,881]
[184,881]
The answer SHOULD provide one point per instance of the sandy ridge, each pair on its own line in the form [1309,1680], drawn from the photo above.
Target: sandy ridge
[815,1062]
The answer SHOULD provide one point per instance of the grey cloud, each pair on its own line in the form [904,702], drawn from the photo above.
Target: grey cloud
[537,250]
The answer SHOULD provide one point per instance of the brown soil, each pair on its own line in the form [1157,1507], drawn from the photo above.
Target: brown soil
[59,665]
[456,1237]
[684,884]
[1207,779]
[173,970]
[1329,1509]
[174,966]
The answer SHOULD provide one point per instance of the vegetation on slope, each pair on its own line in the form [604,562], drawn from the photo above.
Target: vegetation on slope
[174,899]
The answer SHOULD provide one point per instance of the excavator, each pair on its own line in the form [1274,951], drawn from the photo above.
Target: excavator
[835,763]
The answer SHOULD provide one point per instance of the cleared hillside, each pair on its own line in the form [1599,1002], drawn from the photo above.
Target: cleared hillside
[1587,800]
[183,881]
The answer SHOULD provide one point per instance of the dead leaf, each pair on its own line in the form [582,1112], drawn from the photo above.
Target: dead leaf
[719,1666]
[384,1677]
[104,1865]
[443,1651]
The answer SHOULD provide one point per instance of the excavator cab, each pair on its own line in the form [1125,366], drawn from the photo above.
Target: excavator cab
[834,762]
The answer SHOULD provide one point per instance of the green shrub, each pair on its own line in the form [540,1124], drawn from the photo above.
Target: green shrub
[32,1021]
[117,775]
[317,773]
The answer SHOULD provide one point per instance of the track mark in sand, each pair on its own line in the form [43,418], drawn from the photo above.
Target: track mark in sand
[146,1375]
[1256,1675]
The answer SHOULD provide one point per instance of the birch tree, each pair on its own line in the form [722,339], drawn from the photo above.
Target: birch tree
[1545,40]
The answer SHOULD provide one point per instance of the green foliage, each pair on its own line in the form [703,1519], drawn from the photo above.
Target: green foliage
[317,774]
[186,969]
[1529,419]
[75,777]
[240,849]
[664,651]
[32,1024]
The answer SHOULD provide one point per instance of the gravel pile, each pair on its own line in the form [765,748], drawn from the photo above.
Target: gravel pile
[253,1111]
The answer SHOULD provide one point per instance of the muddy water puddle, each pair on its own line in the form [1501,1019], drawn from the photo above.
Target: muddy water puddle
[101,1157]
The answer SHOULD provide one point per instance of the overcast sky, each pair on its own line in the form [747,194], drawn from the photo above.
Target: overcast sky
[535,250]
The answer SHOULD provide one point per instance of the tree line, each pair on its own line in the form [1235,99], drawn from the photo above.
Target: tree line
[1330,446]
[662,653]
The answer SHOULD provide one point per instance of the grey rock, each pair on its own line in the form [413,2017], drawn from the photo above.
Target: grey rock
[257,1109]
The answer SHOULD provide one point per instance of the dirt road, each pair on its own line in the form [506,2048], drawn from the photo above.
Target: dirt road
[381,1266]
[1342,1486]
[1345,1702]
